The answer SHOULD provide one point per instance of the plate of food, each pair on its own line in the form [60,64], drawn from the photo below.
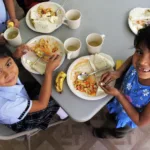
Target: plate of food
[138,19]
[88,89]
[45,17]
[42,47]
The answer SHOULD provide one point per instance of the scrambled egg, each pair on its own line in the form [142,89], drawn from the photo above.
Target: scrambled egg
[88,86]
[45,48]
[45,11]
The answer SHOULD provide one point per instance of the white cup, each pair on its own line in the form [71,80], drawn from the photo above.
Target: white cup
[72,46]
[94,42]
[72,18]
[17,40]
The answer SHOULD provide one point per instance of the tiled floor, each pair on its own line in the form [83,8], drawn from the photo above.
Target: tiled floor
[77,136]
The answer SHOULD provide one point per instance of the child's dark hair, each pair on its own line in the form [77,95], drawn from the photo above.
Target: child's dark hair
[143,38]
[3,55]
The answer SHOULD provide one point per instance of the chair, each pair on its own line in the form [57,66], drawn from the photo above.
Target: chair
[7,134]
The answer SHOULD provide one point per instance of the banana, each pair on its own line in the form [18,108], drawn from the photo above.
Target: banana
[118,63]
[59,81]
[10,24]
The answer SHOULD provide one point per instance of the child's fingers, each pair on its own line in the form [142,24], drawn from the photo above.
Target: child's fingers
[106,80]
[24,51]
[2,40]
[105,89]
[104,76]
[58,57]
[26,47]
[53,57]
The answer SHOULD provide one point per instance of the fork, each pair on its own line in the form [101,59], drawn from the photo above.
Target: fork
[57,12]
[38,59]
[61,6]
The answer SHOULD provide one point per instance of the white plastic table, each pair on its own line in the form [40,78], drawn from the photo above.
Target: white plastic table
[99,16]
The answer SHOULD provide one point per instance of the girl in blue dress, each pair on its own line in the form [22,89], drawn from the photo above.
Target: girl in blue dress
[131,106]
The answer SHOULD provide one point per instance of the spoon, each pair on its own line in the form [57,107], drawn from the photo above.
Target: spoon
[84,75]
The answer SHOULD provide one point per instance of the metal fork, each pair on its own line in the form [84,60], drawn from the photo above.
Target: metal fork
[38,59]
[59,15]
[63,3]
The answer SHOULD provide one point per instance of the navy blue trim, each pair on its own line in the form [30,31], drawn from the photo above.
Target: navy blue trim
[28,105]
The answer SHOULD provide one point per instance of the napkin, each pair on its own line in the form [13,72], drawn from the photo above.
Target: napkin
[39,66]
[34,14]
[42,25]
[45,23]
[101,60]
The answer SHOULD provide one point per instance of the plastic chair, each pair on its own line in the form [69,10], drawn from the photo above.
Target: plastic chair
[7,134]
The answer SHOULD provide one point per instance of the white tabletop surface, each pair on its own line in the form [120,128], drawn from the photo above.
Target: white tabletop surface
[98,16]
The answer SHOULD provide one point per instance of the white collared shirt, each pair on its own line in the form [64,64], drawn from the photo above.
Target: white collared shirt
[14,103]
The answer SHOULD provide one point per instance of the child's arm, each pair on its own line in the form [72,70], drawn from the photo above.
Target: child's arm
[140,119]
[2,40]
[107,77]
[45,91]
[11,11]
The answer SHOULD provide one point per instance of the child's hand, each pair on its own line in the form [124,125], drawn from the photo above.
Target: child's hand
[110,90]
[2,40]
[21,50]
[107,77]
[53,63]
[15,21]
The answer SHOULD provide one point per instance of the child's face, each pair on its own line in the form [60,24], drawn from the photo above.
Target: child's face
[141,61]
[8,71]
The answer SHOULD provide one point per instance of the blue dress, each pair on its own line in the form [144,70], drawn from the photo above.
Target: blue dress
[138,95]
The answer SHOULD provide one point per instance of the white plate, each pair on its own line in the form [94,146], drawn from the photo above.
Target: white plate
[32,57]
[136,13]
[76,92]
[45,5]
